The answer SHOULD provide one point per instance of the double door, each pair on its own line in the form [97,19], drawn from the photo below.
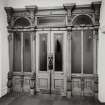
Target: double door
[51,62]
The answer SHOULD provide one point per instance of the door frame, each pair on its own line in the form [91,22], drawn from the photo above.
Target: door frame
[94,74]
[51,50]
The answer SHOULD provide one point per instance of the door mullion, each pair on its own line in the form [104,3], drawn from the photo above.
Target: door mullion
[21,51]
[82,79]
[94,53]
[82,52]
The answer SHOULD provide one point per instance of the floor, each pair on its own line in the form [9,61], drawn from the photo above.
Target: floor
[47,99]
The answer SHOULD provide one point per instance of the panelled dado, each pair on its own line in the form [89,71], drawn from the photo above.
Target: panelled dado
[54,50]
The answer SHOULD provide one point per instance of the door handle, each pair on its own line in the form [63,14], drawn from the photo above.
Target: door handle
[50,64]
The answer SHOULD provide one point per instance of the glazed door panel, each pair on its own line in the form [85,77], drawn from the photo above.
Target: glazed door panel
[76,62]
[82,62]
[58,49]
[50,62]
[42,72]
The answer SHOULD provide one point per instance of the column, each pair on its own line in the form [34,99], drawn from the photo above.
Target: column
[95,38]
[33,64]
[69,81]
[10,73]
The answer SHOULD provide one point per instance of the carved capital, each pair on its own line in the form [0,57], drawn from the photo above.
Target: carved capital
[32,10]
[95,34]
[10,75]
[9,37]
[69,28]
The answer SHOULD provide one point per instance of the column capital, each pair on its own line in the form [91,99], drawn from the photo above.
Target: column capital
[69,28]
[10,37]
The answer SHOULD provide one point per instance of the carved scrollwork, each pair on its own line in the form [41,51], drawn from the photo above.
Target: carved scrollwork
[10,76]
[95,34]
[96,84]
[32,81]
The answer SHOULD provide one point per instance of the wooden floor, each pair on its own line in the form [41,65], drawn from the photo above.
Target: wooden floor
[46,99]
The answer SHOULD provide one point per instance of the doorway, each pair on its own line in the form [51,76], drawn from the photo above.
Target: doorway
[82,62]
[51,62]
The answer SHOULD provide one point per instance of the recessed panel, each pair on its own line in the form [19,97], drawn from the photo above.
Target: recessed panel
[17,84]
[43,83]
[76,86]
[88,86]
[58,83]
[26,84]
[51,21]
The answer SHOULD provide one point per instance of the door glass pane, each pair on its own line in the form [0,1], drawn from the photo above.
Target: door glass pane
[43,52]
[17,52]
[87,51]
[76,52]
[26,52]
[58,51]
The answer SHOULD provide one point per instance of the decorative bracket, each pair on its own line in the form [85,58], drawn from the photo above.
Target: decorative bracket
[9,11]
[69,8]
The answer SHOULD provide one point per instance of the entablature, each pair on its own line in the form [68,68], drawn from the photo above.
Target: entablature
[61,16]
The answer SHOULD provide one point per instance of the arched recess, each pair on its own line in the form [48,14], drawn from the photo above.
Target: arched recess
[82,19]
[21,22]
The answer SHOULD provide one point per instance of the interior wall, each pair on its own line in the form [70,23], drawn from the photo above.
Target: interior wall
[4,58]
[101,54]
